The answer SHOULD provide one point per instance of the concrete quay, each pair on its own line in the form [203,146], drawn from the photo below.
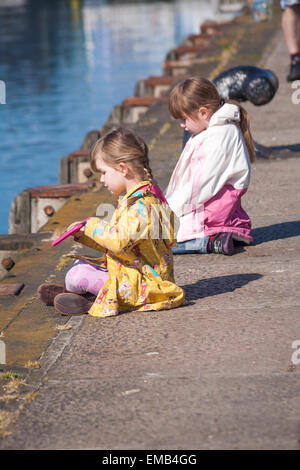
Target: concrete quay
[221,372]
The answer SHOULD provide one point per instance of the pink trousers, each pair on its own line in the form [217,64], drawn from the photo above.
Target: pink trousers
[84,277]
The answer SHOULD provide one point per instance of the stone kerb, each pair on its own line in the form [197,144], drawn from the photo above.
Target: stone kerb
[156,85]
[129,111]
[75,167]
[179,60]
[33,207]
[14,246]
[201,39]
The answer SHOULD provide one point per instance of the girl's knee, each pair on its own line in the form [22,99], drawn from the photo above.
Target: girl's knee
[75,281]
[84,277]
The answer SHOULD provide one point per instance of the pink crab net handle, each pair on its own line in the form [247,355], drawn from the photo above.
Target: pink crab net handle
[69,232]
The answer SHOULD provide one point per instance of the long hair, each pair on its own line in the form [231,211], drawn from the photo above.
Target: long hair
[192,93]
[123,146]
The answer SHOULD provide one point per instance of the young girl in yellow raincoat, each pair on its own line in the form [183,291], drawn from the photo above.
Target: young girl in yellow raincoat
[136,271]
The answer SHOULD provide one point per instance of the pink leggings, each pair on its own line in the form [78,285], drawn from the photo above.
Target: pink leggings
[84,277]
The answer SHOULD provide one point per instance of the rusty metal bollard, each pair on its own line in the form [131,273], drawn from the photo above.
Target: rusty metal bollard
[8,263]
[87,172]
[49,210]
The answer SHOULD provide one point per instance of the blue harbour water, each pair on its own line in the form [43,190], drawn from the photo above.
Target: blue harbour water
[64,64]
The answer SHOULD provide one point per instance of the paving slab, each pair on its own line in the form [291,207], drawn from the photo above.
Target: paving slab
[163,412]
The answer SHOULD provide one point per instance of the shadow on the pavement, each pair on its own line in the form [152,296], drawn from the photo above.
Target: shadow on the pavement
[279,151]
[291,147]
[218,285]
[276,232]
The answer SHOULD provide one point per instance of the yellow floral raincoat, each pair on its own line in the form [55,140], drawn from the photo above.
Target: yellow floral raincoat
[137,244]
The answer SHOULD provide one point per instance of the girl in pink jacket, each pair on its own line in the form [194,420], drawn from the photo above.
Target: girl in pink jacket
[213,172]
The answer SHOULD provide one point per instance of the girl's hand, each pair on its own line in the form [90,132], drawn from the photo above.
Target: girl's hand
[77,234]
[73,225]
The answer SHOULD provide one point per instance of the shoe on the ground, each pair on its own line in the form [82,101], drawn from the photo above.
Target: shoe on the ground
[294,73]
[240,240]
[89,296]
[222,243]
[47,292]
[72,304]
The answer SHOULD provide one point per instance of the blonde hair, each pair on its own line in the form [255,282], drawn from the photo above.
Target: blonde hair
[192,93]
[123,146]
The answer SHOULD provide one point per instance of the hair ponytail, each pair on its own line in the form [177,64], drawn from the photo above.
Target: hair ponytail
[244,126]
[146,166]
[149,176]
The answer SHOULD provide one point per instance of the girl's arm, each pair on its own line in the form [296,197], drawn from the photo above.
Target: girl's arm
[227,162]
[81,237]
[126,229]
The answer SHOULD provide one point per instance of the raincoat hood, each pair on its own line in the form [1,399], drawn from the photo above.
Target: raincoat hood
[226,114]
